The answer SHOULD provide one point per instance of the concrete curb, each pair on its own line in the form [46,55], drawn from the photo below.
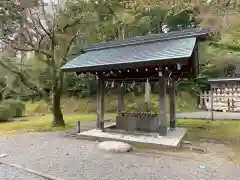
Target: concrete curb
[43,175]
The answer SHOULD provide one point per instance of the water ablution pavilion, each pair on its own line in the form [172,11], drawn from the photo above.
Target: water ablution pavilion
[163,58]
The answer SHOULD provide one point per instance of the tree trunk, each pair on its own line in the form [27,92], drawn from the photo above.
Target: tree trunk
[56,109]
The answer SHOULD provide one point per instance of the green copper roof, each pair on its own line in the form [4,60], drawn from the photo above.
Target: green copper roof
[130,54]
[138,50]
[155,51]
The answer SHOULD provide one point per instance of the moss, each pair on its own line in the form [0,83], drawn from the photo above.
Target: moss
[143,147]
[235,159]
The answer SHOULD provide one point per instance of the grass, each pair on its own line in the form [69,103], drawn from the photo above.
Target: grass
[43,124]
[226,131]
[219,130]
[36,107]
[84,110]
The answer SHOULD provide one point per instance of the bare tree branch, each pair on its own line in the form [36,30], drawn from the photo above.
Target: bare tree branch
[44,13]
[44,52]
[34,23]
[68,49]
[43,28]
[72,24]
[40,41]
[21,49]
[24,79]
[33,47]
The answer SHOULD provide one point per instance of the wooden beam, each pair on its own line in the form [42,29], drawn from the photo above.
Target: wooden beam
[172,105]
[163,112]
[128,65]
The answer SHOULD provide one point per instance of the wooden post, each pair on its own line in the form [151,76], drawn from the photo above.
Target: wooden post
[102,87]
[212,101]
[205,100]
[120,101]
[78,126]
[172,105]
[163,113]
[201,99]
[100,103]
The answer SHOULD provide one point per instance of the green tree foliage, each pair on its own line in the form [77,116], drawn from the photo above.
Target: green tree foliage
[118,20]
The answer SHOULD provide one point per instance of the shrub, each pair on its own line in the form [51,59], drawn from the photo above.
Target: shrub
[16,107]
[5,113]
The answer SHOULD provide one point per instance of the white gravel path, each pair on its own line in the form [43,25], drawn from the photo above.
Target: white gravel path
[11,173]
[73,159]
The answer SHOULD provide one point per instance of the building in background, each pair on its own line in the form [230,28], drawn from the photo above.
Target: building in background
[223,93]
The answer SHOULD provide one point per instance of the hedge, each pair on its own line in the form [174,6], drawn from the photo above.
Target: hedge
[11,108]
[5,113]
[17,108]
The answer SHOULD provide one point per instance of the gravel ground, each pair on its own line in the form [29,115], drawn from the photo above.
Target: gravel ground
[73,159]
[10,173]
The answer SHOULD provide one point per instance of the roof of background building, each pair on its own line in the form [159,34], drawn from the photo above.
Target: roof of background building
[227,79]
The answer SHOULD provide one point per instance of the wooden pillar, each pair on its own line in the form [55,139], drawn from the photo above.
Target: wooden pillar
[98,108]
[201,99]
[172,105]
[120,100]
[163,112]
[212,101]
[205,100]
[100,103]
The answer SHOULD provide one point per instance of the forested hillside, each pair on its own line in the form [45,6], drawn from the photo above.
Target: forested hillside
[38,37]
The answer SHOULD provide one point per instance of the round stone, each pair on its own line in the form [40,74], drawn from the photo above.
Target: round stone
[115,146]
